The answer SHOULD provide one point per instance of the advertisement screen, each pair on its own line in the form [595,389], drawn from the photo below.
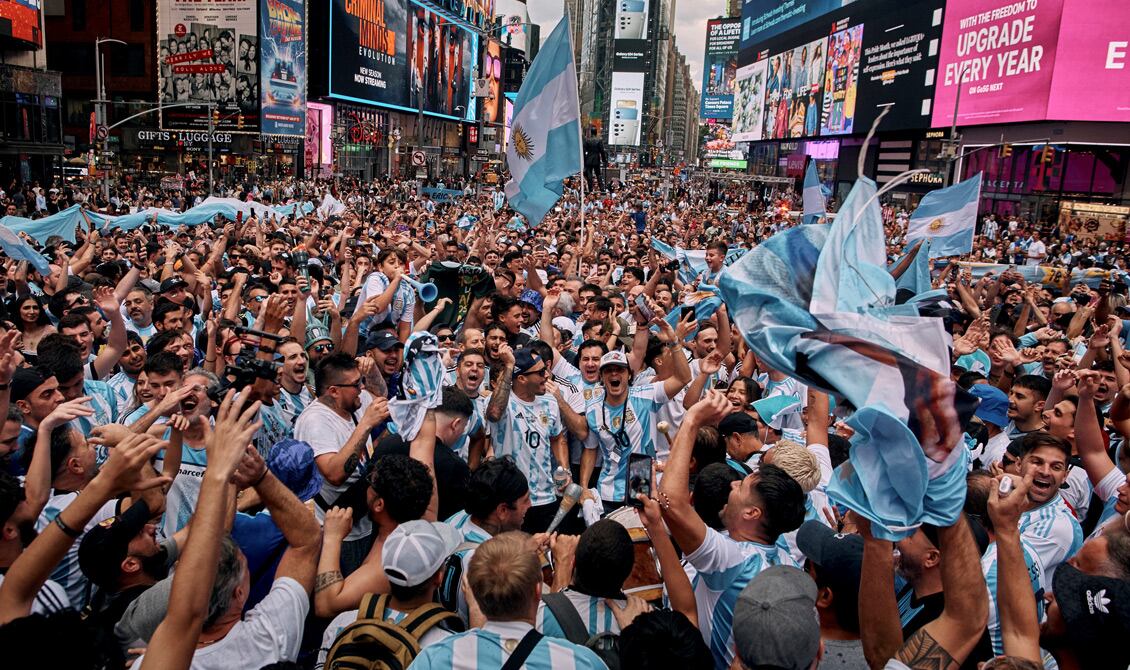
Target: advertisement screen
[282,62]
[625,116]
[720,68]
[319,147]
[492,72]
[208,51]
[441,60]
[630,56]
[841,81]
[368,54]
[717,141]
[19,20]
[1092,70]
[795,91]
[749,102]
[631,20]
[764,19]
[1001,55]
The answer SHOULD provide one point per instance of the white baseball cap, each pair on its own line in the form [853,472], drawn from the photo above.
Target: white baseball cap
[614,357]
[416,550]
[565,323]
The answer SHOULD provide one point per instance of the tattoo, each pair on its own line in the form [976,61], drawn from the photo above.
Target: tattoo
[922,652]
[501,395]
[351,464]
[325,580]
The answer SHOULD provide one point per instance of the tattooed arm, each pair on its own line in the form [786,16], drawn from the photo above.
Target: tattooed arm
[337,468]
[501,396]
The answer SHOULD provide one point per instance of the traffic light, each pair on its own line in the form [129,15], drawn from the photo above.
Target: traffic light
[1005,151]
[239,122]
[1047,154]
[215,116]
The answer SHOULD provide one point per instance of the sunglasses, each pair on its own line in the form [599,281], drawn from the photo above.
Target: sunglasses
[355,385]
[259,298]
[445,337]
[322,348]
[492,66]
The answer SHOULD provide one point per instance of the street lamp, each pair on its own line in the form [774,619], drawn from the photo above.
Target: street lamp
[950,153]
[100,109]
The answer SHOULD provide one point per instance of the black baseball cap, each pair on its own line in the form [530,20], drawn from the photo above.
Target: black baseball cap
[384,340]
[1096,611]
[838,558]
[737,423]
[104,547]
[172,284]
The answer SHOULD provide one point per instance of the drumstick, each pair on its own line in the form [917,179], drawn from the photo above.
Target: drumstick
[663,427]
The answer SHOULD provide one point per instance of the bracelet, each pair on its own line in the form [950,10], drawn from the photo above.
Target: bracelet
[266,471]
[70,532]
[665,503]
[4,387]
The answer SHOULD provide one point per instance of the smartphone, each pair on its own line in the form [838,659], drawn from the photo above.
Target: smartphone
[639,479]
[686,309]
[645,311]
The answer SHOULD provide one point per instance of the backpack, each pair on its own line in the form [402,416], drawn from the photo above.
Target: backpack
[448,592]
[371,643]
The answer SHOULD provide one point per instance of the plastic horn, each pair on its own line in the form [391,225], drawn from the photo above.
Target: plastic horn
[428,292]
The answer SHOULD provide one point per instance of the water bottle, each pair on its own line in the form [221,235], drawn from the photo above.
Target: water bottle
[561,479]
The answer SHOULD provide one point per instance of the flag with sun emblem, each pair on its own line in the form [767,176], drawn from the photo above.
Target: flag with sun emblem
[545,135]
[947,217]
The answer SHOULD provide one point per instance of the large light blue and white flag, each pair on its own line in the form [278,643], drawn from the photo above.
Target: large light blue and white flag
[19,250]
[947,218]
[916,278]
[813,195]
[545,136]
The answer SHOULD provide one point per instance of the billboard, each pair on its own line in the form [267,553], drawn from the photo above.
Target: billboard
[319,146]
[749,102]
[841,81]
[716,140]
[368,52]
[492,72]
[1001,56]
[630,22]
[441,60]
[282,62]
[20,21]
[625,118]
[719,69]
[765,19]
[1091,81]
[631,56]
[795,85]
[208,53]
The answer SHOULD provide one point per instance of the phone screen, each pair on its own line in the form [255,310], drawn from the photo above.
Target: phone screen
[639,478]
[645,311]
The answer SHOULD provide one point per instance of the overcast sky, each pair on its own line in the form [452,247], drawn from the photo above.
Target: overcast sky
[690,26]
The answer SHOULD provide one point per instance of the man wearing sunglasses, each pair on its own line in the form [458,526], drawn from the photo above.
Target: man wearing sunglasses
[525,424]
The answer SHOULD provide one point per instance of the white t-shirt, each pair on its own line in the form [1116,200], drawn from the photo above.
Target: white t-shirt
[269,633]
[1036,252]
[326,433]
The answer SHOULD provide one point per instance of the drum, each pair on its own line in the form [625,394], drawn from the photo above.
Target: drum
[645,580]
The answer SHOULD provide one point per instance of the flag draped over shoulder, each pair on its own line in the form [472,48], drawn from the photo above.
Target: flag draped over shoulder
[545,136]
[817,303]
[947,217]
[813,195]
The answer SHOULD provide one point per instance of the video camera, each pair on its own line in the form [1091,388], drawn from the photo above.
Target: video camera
[248,367]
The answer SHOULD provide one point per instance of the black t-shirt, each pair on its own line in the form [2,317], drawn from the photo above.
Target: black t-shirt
[929,608]
[451,473]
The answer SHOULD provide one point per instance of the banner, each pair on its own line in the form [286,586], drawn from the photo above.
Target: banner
[1087,220]
[720,68]
[208,52]
[282,53]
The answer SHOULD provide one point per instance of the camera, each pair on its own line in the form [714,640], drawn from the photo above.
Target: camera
[247,368]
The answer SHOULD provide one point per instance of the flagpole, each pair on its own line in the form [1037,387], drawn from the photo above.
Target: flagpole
[580,143]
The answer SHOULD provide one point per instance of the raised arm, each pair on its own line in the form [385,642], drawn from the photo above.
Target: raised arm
[1016,602]
[116,341]
[1088,431]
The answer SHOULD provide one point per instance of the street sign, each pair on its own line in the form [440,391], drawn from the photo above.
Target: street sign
[101,132]
[419,159]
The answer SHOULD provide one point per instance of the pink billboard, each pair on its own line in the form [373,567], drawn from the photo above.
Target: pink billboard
[1092,70]
[1003,54]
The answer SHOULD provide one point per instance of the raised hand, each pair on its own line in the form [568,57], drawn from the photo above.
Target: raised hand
[127,468]
[506,355]
[251,470]
[1063,380]
[9,355]
[66,412]
[712,408]
[1005,510]
[236,422]
[337,524]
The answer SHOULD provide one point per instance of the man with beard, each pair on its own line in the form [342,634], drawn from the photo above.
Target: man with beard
[1048,524]
[469,375]
[139,309]
[295,395]
[16,532]
[131,363]
[187,427]
[1026,404]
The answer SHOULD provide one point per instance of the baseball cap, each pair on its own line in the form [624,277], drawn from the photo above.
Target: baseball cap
[104,547]
[531,298]
[316,333]
[994,404]
[416,549]
[292,461]
[1096,611]
[384,340]
[172,284]
[839,563]
[775,621]
[524,361]
[25,381]
[565,323]
[615,357]
[737,423]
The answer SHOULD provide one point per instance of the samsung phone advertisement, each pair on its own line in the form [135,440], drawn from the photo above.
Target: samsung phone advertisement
[626,113]
[368,54]
[631,20]
[282,62]
[720,68]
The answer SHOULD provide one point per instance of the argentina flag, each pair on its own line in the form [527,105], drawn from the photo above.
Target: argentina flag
[813,195]
[947,217]
[545,136]
[18,249]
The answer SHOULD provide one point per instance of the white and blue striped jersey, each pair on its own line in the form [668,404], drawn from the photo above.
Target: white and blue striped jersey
[51,598]
[275,428]
[1035,575]
[621,431]
[144,333]
[403,302]
[473,536]
[1053,533]
[122,385]
[102,401]
[135,416]
[475,423]
[525,432]
[790,419]
[67,573]
[290,405]
[491,645]
[1107,491]
[180,503]
[724,567]
[594,613]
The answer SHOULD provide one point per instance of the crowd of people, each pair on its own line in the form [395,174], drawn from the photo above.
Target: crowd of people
[261,443]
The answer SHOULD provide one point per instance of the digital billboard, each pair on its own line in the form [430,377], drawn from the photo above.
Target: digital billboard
[630,22]
[717,141]
[749,102]
[765,19]
[1001,55]
[208,52]
[626,118]
[720,68]
[631,56]
[841,82]
[368,54]
[1091,81]
[19,20]
[492,72]
[795,91]
[282,64]
[319,146]
[441,60]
